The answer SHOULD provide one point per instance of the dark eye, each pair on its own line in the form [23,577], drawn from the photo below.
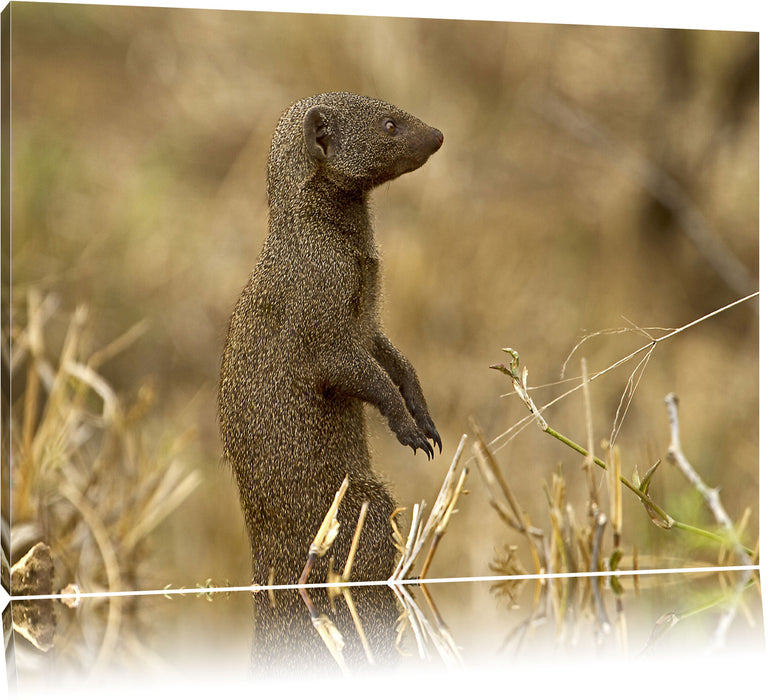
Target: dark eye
[389,125]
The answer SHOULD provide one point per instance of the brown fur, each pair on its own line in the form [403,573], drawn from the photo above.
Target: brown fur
[305,349]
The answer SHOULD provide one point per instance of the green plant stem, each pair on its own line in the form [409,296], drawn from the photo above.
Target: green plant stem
[643,497]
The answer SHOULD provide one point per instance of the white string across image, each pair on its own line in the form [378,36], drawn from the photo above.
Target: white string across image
[255,588]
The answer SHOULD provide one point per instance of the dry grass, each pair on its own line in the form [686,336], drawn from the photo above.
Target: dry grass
[573,541]
[84,481]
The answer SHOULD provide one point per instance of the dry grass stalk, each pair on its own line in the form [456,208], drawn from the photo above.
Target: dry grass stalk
[354,542]
[324,538]
[409,546]
[438,518]
[345,577]
[508,508]
[590,457]
[613,475]
[444,508]
[327,532]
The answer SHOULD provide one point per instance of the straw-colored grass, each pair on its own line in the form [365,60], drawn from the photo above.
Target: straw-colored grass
[84,482]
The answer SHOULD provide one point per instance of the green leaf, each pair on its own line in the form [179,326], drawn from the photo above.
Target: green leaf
[503,369]
[648,477]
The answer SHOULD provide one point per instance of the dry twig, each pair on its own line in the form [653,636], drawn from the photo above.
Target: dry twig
[326,534]
[710,495]
[438,519]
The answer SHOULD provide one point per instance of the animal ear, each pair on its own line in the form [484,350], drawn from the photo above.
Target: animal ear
[319,132]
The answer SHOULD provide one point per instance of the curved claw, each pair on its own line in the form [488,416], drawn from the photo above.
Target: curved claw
[437,440]
[430,432]
[418,437]
[425,446]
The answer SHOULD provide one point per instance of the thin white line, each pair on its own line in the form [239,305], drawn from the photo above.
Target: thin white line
[169,592]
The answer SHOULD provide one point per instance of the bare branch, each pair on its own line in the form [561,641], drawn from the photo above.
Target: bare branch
[710,495]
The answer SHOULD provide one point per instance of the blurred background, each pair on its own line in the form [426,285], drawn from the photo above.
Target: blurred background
[591,178]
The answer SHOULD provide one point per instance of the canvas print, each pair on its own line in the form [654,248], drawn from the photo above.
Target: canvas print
[344,345]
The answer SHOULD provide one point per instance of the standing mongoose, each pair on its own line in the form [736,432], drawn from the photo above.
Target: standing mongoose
[305,349]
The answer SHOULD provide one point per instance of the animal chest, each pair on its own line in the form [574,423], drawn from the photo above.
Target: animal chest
[367,289]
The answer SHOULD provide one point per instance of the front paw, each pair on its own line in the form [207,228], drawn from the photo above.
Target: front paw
[411,435]
[426,425]
[419,412]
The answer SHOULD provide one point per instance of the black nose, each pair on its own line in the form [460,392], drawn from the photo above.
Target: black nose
[439,136]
